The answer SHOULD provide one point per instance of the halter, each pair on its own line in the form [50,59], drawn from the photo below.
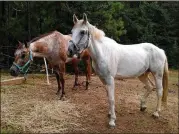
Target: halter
[24,69]
[87,41]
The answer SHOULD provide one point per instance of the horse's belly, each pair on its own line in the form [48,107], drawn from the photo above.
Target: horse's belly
[132,66]
[124,73]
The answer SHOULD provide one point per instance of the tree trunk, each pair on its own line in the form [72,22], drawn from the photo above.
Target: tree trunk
[28,20]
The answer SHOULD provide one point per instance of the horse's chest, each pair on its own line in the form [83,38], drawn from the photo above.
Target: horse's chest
[101,68]
[54,58]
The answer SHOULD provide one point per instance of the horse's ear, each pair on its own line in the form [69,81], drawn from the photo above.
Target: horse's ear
[85,19]
[75,19]
[25,45]
[20,45]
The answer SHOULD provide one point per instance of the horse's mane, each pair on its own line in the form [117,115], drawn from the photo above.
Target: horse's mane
[97,33]
[39,37]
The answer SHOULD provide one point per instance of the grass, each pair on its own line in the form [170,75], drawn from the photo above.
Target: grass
[173,76]
[11,129]
[24,110]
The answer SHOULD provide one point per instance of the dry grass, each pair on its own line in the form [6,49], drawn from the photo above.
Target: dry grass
[34,107]
[25,112]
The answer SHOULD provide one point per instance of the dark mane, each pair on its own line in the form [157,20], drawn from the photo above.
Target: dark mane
[39,37]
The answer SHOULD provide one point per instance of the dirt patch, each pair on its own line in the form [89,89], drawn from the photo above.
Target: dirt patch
[34,107]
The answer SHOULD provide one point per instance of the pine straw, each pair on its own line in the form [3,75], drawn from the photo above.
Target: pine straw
[28,113]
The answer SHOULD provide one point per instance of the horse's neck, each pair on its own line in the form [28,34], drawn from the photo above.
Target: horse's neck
[38,50]
[67,38]
[54,49]
[95,50]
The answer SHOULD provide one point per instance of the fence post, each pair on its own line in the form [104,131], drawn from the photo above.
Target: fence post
[48,83]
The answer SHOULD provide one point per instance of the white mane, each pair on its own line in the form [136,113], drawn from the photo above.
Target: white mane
[96,33]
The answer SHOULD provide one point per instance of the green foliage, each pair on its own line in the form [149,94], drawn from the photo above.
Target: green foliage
[153,22]
[112,23]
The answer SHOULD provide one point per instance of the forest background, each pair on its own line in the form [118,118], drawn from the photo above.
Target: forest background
[126,22]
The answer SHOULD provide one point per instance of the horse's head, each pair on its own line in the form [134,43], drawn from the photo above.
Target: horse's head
[80,36]
[22,60]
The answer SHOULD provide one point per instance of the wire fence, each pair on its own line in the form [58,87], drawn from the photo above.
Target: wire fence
[5,58]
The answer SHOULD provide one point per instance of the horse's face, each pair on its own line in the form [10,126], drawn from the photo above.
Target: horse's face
[21,57]
[80,36]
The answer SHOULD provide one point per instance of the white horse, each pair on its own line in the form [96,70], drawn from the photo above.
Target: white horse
[111,60]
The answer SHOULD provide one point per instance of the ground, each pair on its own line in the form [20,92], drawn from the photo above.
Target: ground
[34,107]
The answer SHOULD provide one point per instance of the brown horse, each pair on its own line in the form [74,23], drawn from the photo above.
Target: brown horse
[52,46]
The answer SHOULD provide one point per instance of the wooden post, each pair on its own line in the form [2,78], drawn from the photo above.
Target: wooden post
[48,83]
[14,81]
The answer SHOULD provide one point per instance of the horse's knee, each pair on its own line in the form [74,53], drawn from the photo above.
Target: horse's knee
[159,92]
[111,101]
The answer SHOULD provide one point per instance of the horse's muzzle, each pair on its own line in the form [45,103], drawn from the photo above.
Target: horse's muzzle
[14,71]
[70,51]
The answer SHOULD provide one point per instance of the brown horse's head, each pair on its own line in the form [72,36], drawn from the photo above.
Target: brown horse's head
[20,64]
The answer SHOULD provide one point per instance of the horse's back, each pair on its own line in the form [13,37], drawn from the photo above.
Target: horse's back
[138,58]
[155,56]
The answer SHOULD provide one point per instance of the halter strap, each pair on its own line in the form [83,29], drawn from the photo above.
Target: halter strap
[87,41]
[24,69]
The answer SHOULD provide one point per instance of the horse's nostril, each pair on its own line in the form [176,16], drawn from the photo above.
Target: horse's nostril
[71,52]
[13,73]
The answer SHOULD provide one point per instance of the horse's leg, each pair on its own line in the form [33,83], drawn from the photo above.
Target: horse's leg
[62,80]
[88,71]
[159,89]
[58,81]
[145,79]
[111,99]
[151,82]
[75,66]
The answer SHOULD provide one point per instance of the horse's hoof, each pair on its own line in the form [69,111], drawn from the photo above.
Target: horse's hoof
[143,108]
[57,93]
[112,124]
[155,115]
[62,98]
[75,88]
[87,88]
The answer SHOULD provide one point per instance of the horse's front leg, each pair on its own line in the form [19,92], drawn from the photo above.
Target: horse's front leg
[62,80]
[111,99]
[58,82]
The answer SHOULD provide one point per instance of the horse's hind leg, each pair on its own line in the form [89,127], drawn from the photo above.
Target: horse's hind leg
[159,89]
[75,66]
[88,71]
[145,79]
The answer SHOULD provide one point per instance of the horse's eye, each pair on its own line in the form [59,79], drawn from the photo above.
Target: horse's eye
[82,32]
[23,56]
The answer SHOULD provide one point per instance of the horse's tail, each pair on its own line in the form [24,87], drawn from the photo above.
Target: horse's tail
[165,83]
